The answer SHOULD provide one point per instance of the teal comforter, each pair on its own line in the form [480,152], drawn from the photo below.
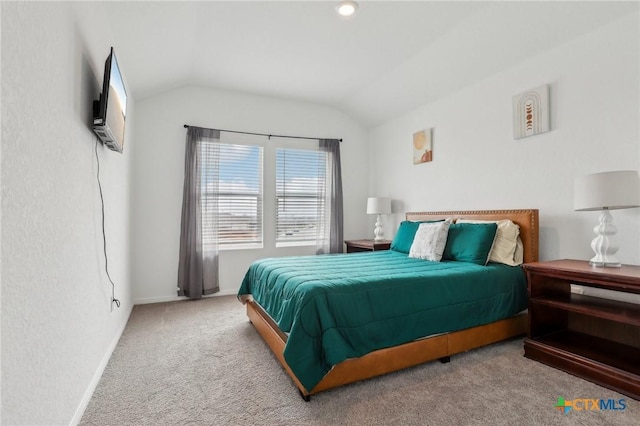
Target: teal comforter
[336,307]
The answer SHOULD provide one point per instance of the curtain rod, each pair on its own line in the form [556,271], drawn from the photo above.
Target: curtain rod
[186,126]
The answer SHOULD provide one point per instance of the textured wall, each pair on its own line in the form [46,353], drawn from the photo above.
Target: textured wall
[57,325]
[595,108]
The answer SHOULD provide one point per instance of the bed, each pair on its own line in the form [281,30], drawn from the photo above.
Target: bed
[329,322]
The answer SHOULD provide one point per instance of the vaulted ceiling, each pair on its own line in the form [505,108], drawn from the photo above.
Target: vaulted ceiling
[389,58]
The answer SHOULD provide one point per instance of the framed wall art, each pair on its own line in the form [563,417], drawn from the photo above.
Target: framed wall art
[422,147]
[531,112]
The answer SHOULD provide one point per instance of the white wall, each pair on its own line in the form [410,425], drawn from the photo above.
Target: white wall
[58,329]
[478,165]
[159,172]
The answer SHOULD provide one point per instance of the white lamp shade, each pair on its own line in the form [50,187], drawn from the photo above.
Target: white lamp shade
[378,205]
[607,191]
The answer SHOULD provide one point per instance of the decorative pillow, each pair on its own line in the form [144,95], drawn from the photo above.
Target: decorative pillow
[429,241]
[404,237]
[504,246]
[470,242]
[518,257]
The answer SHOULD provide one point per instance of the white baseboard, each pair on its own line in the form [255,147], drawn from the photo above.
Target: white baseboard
[176,298]
[84,402]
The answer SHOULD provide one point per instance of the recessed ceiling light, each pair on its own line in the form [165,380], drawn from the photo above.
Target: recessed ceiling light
[347,8]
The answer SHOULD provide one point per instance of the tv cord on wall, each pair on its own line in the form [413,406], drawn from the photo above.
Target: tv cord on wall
[104,237]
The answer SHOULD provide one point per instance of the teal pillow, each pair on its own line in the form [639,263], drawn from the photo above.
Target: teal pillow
[470,242]
[404,237]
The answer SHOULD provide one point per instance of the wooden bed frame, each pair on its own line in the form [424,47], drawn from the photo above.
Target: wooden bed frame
[440,346]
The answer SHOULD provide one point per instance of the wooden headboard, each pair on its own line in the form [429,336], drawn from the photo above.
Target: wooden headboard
[527,219]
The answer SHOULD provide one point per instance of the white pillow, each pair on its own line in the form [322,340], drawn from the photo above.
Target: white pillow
[429,241]
[505,243]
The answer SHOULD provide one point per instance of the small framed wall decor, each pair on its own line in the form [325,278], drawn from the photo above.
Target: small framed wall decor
[422,147]
[531,112]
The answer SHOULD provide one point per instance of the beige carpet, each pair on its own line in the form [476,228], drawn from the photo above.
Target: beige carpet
[202,363]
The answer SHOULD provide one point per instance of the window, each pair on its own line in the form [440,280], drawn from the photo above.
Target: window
[236,186]
[300,201]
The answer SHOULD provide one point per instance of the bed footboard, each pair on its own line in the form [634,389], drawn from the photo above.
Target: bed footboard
[392,359]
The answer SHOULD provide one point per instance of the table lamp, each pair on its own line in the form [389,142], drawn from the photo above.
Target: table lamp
[606,191]
[379,206]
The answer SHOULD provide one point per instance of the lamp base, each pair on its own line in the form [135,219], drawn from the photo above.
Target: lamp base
[379,231]
[605,264]
[604,244]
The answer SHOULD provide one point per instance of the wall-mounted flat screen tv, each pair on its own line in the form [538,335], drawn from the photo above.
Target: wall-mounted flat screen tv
[110,112]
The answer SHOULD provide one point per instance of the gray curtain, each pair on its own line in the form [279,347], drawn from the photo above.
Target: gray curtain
[330,233]
[198,260]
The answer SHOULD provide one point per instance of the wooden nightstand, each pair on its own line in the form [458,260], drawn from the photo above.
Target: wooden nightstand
[593,338]
[354,246]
